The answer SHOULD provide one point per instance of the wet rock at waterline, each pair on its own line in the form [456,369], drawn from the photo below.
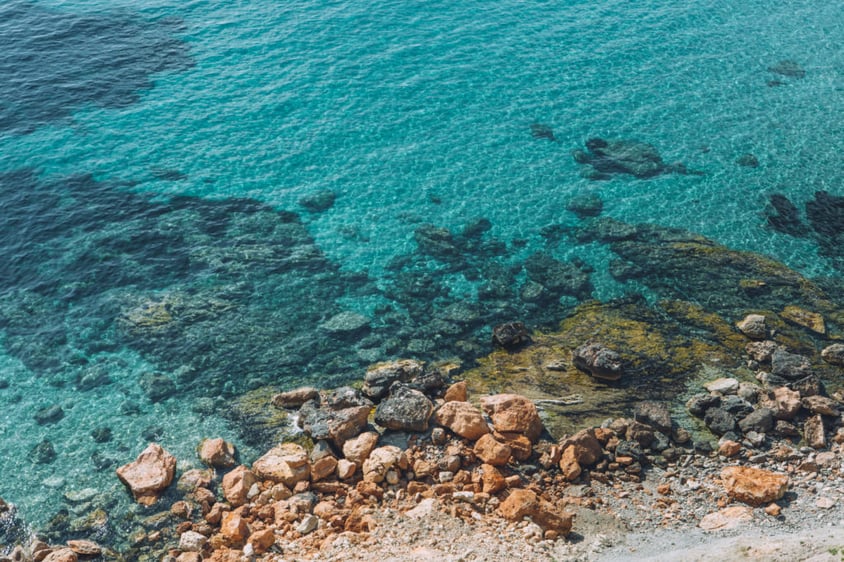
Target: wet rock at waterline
[149,475]
[599,361]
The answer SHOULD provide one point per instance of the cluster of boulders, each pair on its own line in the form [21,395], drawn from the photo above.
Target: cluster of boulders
[788,403]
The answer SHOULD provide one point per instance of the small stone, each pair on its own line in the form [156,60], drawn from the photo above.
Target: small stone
[308,524]
[217,453]
[357,449]
[234,528]
[569,467]
[261,541]
[191,541]
[729,448]
[825,503]
[773,509]
[753,326]
[295,398]
[723,385]
[490,478]
[346,469]
[48,415]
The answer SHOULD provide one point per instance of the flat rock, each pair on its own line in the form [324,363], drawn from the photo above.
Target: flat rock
[789,365]
[286,463]
[149,475]
[805,318]
[217,453]
[346,322]
[727,518]
[724,385]
[753,486]
[599,361]
[379,377]
[295,398]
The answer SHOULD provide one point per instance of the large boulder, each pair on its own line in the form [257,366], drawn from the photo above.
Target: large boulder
[834,354]
[217,453]
[513,413]
[789,365]
[599,361]
[149,475]
[405,409]
[462,419]
[286,463]
[753,486]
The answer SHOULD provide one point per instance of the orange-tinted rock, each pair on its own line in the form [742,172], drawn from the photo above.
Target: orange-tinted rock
[814,432]
[323,468]
[491,451]
[753,486]
[569,467]
[456,392]
[195,478]
[820,405]
[357,449]
[382,460]
[586,449]
[61,555]
[295,398]
[726,518]
[236,485]
[773,510]
[729,448]
[346,469]
[513,413]
[261,541]
[787,403]
[233,527]
[490,479]
[286,463]
[520,446]
[525,503]
[462,419]
[85,548]
[149,475]
[217,453]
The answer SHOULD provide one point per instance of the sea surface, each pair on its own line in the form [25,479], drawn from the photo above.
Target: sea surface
[200,199]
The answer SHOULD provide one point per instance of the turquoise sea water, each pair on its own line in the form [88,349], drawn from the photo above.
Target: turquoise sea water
[154,156]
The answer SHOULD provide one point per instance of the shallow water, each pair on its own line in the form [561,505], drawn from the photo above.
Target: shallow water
[153,157]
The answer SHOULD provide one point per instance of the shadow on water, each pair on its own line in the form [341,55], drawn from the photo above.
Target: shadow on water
[52,62]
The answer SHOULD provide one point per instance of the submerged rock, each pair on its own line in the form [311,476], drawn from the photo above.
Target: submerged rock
[585,205]
[636,158]
[748,161]
[318,202]
[510,336]
[542,131]
[788,68]
[345,323]
[783,216]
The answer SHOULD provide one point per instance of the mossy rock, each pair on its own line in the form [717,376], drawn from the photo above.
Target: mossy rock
[259,423]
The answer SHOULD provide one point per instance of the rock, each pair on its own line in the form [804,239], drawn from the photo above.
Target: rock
[700,403]
[787,403]
[630,449]
[599,361]
[318,201]
[343,415]
[295,398]
[490,478]
[512,413]
[191,541]
[510,335]
[738,407]
[156,386]
[585,205]
[86,548]
[491,451]
[761,351]
[234,528]
[726,518]
[286,463]
[729,448]
[217,453]
[748,160]
[753,326]
[520,446]
[814,432]
[358,448]
[346,323]
[807,319]
[788,68]
[236,485]
[381,376]
[404,409]
[61,555]
[458,392]
[542,131]
[525,503]
[722,386]
[773,510]
[632,157]
[783,216]
[820,405]
[789,365]
[380,461]
[760,420]
[569,467]
[149,475]
[834,354]
[346,469]
[754,486]
[194,478]
[323,468]
[654,414]
[585,446]
[719,421]
[48,415]
[261,541]
[43,453]
[557,277]
[462,419]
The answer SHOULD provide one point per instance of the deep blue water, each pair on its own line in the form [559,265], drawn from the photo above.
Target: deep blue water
[154,157]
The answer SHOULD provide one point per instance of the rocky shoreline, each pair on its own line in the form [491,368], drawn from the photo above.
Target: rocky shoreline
[409,465]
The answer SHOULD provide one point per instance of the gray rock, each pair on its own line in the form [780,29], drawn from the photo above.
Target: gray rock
[723,385]
[585,205]
[308,524]
[748,161]
[404,409]
[346,323]
[754,326]
[789,365]
[156,386]
[630,449]
[814,432]
[379,377]
[738,407]
[636,158]
[760,420]
[599,361]
[510,335]
[319,201]
[343,415]
[43,453]
[719,421]
[761,351]
[820,405]
[700,403]
[654,414]
[48,415]
[788,68]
